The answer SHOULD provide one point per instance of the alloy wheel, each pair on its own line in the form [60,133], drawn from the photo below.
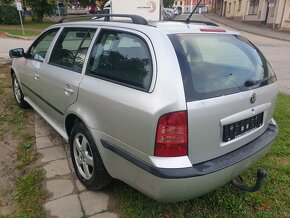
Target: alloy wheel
[83,156]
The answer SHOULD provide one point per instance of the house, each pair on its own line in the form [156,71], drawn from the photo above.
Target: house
[268,13]
[186,6]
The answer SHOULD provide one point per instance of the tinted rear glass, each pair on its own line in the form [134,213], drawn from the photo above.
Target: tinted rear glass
[217,64]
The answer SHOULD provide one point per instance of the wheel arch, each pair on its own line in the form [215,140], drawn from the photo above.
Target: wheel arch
[12,71]
[70,121]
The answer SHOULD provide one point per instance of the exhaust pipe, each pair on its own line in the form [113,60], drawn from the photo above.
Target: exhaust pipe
[261,175]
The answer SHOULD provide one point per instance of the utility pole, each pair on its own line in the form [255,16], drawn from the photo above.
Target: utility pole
[19,9]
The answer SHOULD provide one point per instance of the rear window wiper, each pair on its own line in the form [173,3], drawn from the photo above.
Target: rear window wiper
[250,82]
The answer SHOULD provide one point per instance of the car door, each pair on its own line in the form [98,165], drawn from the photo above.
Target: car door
[116,88]
[32,64]
[60,78]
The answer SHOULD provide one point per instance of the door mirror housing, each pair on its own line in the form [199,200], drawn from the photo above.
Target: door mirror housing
[16,53]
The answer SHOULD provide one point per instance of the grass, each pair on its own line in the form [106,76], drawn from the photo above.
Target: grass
[271,201]
[26,154]
[19,32]
[34,25]
[28,194]
[31,28]
[1,88]
[16,124]
[28,23]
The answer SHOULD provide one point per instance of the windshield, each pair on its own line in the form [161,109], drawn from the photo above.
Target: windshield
[218,64]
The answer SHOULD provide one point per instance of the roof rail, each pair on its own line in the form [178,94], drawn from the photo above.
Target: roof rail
[199,21]
[136,19]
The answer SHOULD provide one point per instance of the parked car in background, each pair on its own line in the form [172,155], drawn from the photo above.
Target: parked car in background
[168,13]
[177,11]
[174,109]
[107,8]
[92,9]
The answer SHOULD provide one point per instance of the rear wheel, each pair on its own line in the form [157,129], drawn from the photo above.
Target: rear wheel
[18,94]
[86,159]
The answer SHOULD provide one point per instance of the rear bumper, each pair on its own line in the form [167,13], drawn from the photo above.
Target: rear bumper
[177,184]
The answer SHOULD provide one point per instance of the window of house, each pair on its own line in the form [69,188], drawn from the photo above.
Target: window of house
[122,58]
[71,48]
[230,5]
[254,5]
[240,5]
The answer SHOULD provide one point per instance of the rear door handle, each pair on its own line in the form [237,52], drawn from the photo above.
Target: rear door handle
[68,90]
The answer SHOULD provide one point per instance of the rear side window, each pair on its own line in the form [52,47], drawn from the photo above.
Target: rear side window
[122,58]
[71,48]
[213,65]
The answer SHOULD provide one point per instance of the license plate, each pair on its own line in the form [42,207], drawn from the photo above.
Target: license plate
[235,130]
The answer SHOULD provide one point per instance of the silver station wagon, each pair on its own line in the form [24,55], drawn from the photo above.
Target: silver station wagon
[174,109]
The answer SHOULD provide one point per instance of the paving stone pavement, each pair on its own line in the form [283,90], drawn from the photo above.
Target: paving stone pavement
[67,196]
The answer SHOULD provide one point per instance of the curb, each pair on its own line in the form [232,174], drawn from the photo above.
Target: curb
[16,37]
[241,29]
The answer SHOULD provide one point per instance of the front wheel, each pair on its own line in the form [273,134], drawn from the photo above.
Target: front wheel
[18,94]
[86,159]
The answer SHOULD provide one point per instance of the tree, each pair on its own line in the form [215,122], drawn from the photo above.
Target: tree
[168,3]
[8,14]
[41,7]
[6,2]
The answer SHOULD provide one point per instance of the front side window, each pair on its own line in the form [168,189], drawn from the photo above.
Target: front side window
[39,49]
[218,64]
[71,48]
[123,58]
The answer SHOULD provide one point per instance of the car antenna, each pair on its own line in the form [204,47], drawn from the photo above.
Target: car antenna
[187,21]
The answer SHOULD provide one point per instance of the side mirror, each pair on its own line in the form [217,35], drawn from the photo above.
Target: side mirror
[16,53]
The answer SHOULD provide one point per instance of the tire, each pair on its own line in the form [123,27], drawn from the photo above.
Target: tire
[86,159]
[18,94]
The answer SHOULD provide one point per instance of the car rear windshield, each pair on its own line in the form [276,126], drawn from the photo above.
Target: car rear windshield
[213,65]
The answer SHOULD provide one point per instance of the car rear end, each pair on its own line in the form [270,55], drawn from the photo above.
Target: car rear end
[206,119]
[230,92]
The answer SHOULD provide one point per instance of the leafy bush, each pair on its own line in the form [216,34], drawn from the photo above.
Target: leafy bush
[9,15]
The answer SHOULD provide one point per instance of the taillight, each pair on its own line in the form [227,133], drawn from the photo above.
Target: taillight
[171,136]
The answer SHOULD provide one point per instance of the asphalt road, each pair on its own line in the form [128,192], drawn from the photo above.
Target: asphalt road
[277,52]
[6,44]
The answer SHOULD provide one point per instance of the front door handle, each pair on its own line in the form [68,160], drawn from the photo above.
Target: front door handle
[68,90]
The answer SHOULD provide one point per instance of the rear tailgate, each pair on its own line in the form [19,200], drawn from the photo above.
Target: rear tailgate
[209,119]
[230,92]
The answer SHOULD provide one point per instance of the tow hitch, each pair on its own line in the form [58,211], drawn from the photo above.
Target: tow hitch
[261,175]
